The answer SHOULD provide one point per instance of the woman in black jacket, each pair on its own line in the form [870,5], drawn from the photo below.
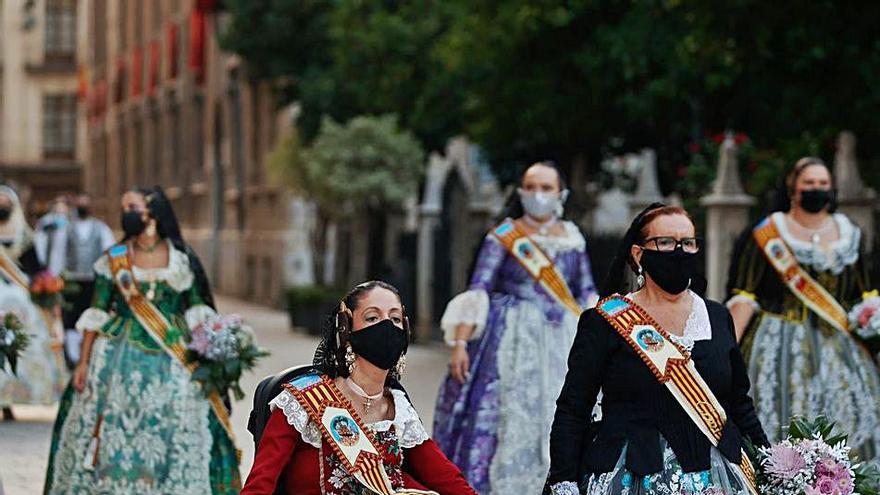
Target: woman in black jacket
[647,441]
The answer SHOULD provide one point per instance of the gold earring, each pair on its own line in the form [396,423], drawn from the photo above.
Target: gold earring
[349,358]
[400,367]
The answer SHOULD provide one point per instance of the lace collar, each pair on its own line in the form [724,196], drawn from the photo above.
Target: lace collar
[555,244]
[177,273]
[407,425]
[698,327]
[842,252]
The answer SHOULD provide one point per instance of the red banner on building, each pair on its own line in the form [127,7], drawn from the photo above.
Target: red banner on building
[137,71]
[153,71]
[172,38]
[197,45]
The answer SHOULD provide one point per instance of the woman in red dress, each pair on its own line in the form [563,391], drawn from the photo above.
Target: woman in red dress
[349,390]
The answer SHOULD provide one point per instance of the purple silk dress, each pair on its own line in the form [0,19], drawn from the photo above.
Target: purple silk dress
[496,426]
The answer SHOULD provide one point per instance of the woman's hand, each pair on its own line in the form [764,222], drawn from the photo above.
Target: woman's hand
[79,376]
[459,363]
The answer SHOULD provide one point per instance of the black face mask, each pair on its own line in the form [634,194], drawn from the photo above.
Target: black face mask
[82,211]
[815,200]
[132,223]
[381,344]
[672,270]
[5,214]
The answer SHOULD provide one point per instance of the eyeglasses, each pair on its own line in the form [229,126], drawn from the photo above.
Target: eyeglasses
[666,244]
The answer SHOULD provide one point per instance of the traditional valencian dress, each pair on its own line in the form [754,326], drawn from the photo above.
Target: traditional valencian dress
[41,373]
[496,427]
[142,425]
[675,410]
[799,362]
[306,458]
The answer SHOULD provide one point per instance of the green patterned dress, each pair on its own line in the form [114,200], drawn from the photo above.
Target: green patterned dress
[799,364]
[158,434]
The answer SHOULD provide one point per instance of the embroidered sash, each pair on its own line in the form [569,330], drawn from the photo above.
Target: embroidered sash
[342,429]
[536,263]
[11,272]
[672,366]
[155,322]
[802,285]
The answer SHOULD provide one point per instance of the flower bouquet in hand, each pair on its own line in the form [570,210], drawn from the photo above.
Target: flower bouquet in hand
[813,460]
[223,347]
[864,320]
[47,289]
[13,339]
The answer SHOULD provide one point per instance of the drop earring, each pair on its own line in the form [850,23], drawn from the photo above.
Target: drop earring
[349,358]
[400,367]
[640,280]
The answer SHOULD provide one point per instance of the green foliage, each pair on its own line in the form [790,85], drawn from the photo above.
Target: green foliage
[533,79]
[368,160]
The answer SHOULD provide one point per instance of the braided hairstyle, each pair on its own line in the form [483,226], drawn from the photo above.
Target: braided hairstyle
[330,355]
[160,209]
[617,279]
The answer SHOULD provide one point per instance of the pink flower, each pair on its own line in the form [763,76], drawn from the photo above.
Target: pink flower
[809,490]
[784,461]
[866,314]
[826,485]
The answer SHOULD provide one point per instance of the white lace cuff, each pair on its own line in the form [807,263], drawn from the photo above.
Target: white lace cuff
[198,314]
[92,320]
[297,417]
[743,298]
[468,308]
[564,488]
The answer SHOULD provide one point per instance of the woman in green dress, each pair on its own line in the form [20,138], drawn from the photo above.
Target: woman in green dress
[137,423]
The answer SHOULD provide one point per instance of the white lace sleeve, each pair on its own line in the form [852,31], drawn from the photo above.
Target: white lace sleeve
[92,319]
[198,314]
[743,297]
[410,430]
[564,488]
[102,266]
[297,417]
[468,308]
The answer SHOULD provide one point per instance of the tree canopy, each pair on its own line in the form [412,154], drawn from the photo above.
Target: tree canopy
[531,79]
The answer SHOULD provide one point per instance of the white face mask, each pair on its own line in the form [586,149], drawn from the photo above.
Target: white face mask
[542,205]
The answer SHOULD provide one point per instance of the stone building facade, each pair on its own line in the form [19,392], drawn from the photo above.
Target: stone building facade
[165,105]
[42,131]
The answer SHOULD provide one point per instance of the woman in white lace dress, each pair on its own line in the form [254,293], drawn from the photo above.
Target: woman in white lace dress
[799,362]
[510,336]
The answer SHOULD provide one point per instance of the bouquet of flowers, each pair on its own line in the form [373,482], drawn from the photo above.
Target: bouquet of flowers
[864,320]
[13,339]
[812,460]
[46,289]
[223,347]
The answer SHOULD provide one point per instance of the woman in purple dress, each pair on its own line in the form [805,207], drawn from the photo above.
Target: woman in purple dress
[510,334]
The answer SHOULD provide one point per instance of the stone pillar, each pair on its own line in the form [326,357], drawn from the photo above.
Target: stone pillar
[429,219]
[727,216]
[648,190]
[855,199]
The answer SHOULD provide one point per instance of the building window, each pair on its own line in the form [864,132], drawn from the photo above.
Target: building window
[60,31]
[59,126]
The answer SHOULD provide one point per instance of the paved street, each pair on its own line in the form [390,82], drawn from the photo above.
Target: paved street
[24,444]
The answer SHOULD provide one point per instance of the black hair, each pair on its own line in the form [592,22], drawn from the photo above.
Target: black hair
[160,209]
[617,281]
[330,355]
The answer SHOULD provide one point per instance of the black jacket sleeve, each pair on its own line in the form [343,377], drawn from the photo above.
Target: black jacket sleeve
[29,262]
[742,409]
[586,367]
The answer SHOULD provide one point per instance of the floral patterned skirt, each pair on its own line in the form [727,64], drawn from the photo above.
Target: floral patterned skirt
[799,369]
[719,479]
[157,434]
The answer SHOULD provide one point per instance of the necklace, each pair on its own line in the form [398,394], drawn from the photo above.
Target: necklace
[368,399]
[148,250]
[815,234]
[543,228]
